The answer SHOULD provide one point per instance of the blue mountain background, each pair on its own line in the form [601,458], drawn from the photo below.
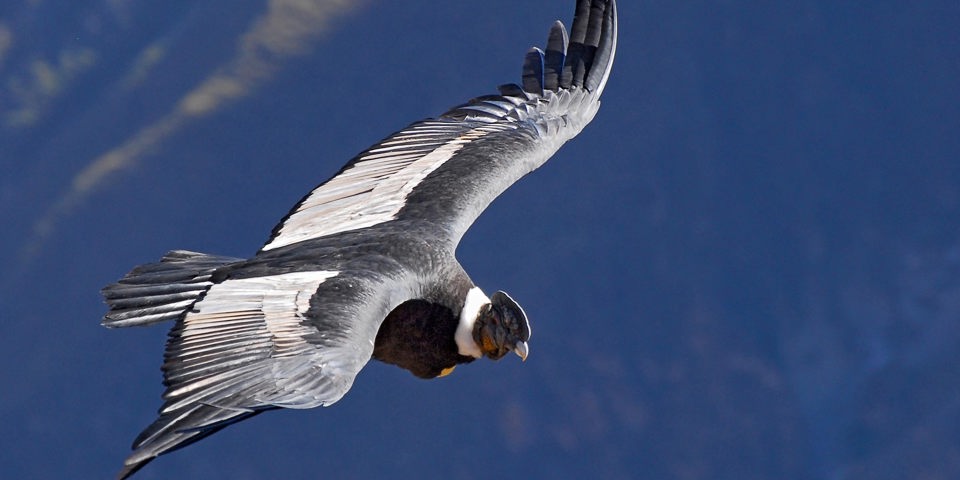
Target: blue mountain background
[747,266]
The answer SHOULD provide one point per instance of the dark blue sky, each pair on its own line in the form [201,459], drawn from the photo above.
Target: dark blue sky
[747,266]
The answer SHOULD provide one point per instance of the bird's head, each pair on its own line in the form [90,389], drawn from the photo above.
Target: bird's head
[502,327]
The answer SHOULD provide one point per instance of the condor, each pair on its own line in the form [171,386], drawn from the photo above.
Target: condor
[364,267]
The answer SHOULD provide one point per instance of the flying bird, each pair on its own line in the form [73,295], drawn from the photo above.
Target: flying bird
[363,266]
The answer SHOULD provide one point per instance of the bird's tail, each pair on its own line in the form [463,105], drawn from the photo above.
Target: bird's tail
[156,292]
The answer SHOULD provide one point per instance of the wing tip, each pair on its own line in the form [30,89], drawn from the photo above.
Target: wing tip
[579,58]
[602,61]
[533,71]
[173,431]
[131,467]
[592,46]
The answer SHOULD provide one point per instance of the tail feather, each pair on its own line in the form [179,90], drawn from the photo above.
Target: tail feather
[160,291]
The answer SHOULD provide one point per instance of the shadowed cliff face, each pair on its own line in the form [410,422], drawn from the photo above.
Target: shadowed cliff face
[746,267]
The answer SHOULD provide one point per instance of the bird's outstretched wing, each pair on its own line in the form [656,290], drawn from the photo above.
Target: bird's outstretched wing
[445,171]
[248,344]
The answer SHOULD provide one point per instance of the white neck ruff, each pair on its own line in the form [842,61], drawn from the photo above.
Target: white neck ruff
[468,317]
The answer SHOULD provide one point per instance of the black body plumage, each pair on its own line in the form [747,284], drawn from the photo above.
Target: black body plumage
[418,336]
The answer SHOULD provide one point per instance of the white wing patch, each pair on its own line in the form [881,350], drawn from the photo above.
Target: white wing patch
[374,189]
[234,328]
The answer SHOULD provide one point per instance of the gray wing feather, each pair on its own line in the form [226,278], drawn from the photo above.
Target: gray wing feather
[372,188]
[554,56]
[489,142]
[251,344]
[244,346]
